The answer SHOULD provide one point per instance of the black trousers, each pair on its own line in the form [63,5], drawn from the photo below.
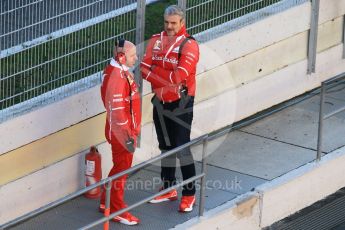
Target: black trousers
[173,127]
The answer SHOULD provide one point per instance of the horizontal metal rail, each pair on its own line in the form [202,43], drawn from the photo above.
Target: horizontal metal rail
[55,80]
[68,30]
[68,54]
[102,182]
[199,5]
[220,133]
[104,219]
[51,18]
[20,7]
[336,78]
[334,113]
[222,15]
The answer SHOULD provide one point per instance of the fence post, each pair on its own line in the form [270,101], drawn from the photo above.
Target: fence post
[312,42]
[203,179]
[139,41]
[107,204]
[182,4]
[140,29]
[319,137]
[344,37]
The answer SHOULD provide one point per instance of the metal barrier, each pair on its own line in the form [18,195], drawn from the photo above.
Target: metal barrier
[205,139]
[323,116]
[45,46]
[51,50]
[203,15]
[34,66]
[109,180]
[254,13]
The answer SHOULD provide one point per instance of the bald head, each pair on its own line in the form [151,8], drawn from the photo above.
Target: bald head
[129,50]
[126,46]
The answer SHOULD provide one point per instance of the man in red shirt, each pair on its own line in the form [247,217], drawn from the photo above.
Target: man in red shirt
[121,99]
[169,65]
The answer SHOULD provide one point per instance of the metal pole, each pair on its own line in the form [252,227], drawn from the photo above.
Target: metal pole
[182,4]
[344,37]
[140,30]
[107,204]
[203,179]
[139,41]
[319,139]
[312,43]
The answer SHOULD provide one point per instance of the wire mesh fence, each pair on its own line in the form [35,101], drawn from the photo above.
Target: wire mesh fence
[26,20]
[80,49]
[205,14]
[238,14]
[49,47]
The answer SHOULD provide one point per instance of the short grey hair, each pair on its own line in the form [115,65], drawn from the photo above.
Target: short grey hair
[174,10]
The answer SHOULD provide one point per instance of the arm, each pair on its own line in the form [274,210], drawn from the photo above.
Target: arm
[187,64]
[146,68]
[117,96]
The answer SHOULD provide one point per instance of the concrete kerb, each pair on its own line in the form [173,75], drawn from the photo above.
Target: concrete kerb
[234,208]
[278,198]
[301,187]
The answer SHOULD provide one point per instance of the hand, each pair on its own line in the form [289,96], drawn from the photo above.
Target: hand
[130,145]
[153,67]
[145,71]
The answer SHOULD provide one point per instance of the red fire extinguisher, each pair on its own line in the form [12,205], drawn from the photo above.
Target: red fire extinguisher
[93,172]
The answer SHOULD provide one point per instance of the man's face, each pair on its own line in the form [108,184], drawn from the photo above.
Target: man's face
[172,24]
[131,56]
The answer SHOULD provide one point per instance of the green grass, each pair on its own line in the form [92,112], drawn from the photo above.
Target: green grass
[79,61]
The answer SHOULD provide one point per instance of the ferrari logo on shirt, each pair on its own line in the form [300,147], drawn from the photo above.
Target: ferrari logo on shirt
[157,45]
